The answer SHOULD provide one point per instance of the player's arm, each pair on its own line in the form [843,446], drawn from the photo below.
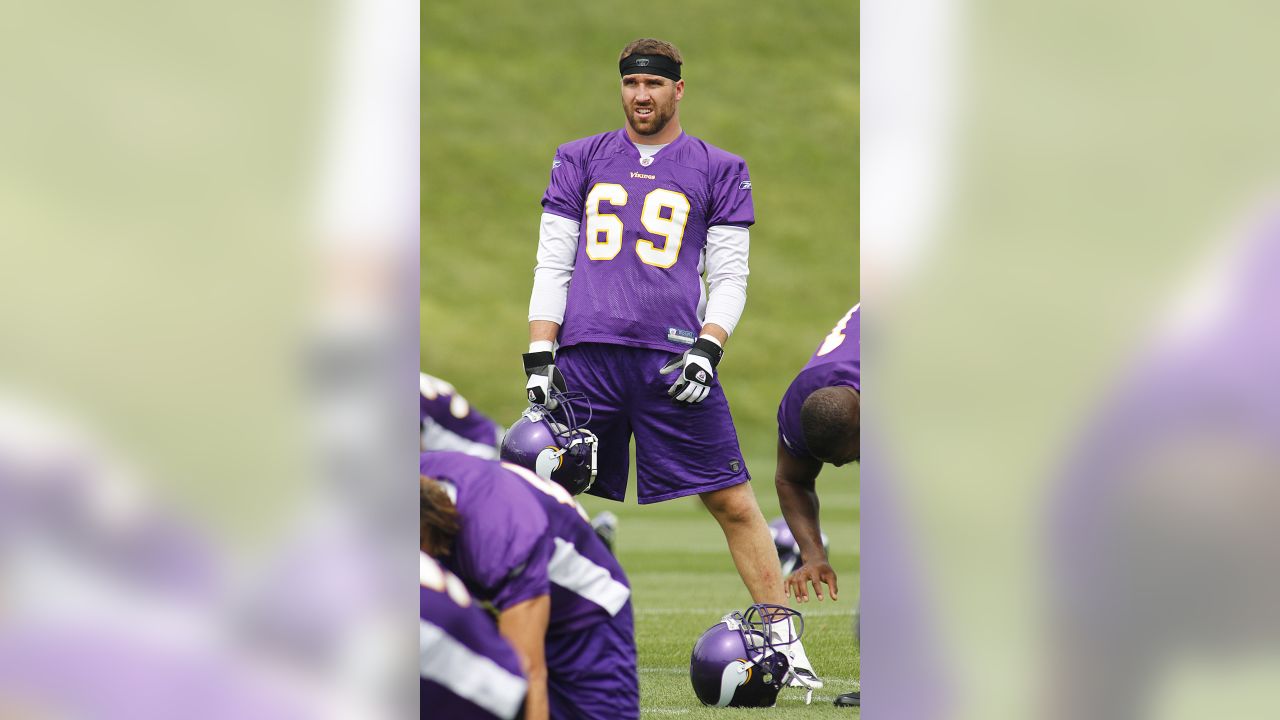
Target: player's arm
[795,480]
[727,248]
[557,251]
[523,589]
[720,335]
[543,331]
[524,625]
[730,214]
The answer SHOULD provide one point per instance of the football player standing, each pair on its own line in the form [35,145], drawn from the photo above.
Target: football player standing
[634,217]
[819,421]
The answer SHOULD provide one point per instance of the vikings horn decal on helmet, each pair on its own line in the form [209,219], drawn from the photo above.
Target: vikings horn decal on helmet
[553,443]
[742,660]
[788,548]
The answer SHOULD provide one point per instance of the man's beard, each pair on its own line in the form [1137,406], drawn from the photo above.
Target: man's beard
[658,121]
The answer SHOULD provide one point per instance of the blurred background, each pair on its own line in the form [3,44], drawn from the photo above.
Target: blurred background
[1070,306]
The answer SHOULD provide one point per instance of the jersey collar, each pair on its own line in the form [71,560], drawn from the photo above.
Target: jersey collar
[629,148]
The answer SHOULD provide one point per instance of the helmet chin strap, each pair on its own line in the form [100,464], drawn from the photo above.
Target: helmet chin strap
[808,688]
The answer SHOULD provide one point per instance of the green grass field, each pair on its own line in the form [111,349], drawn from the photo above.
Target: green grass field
[503,84]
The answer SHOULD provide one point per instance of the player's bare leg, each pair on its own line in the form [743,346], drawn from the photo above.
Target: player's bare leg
[747,533]
[754,554]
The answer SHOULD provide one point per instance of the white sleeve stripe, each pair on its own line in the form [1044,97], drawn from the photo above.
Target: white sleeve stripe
[575,573]
[728,249]
[557,251]
[468,674]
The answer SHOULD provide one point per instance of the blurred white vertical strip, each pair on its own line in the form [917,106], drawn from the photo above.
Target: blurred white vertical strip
[910,69]
[911,66]
[358,538]
[369,187]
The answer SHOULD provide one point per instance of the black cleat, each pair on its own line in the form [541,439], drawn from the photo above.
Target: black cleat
[849,699]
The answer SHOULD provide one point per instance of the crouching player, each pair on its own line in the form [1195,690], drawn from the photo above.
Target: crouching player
[523,544]
[467,670]
[446,421]
[819,421]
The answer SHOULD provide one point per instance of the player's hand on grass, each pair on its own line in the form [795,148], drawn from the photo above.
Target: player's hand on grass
[697,369]
[812,574]
[540,368]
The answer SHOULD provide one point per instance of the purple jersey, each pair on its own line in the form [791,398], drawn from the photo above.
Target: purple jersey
[448,422]
[467,669]
[837,362]
[502,506]
[637,277]
[1172,485]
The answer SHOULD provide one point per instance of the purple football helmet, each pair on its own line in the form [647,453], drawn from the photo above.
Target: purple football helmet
[788,548]
[742,661]
[553,443]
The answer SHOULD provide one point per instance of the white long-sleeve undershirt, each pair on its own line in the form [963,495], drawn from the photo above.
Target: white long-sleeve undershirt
[557,249]
[728,247]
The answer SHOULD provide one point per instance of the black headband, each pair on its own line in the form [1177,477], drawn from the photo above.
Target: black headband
[649,65]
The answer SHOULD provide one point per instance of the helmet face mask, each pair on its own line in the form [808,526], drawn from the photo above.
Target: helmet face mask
[742,661]
[553,443]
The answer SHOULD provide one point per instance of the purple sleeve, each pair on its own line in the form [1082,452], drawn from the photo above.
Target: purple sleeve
[789,429]
[507,546]
[731,195]
[564,192]
[452,412]
[528,577]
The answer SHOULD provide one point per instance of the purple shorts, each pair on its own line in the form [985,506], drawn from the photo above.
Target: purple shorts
[592,673]
[681,449]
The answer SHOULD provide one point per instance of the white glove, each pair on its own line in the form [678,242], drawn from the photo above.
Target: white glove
[543,378]
[698,369]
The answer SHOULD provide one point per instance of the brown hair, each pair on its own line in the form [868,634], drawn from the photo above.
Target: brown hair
[650,46]
[440,522]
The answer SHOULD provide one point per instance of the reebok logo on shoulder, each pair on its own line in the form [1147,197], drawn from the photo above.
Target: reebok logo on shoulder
[555,163]
[744,185]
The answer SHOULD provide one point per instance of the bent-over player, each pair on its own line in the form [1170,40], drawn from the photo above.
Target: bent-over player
[819,422]
[521,543]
